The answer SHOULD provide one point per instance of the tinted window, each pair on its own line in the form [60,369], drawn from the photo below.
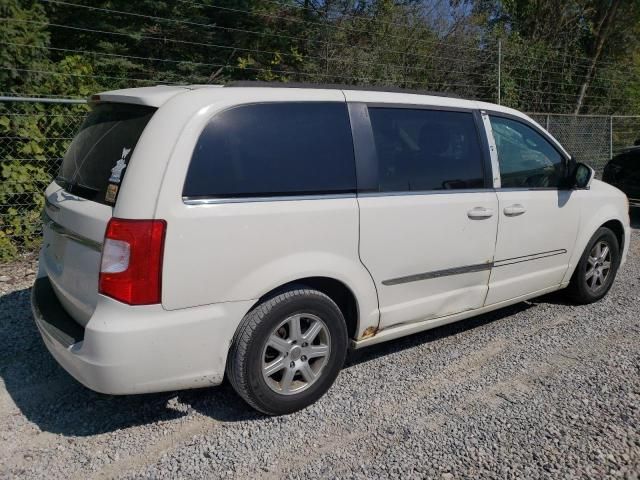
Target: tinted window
[274,149]
[426,149]
[526,158]
[97,159]
[628,160]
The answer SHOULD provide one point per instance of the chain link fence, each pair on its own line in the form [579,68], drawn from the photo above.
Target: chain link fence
[34,134]
[625,131]
[33,138]
[592,139]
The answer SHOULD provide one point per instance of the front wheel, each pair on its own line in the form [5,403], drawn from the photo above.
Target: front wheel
[596,269]
[288,351]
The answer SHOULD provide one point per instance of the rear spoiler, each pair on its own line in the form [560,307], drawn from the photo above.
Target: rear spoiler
[148,96]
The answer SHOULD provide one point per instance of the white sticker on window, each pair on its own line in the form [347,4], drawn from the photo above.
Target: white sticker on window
[116,172]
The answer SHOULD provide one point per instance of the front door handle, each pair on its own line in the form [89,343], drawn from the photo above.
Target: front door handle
[480,213]
[514,210]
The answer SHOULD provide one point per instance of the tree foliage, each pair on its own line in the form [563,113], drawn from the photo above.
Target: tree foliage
[556,56]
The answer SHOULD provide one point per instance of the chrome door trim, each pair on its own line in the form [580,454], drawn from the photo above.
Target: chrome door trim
[493,150]
[406,193]
[279,198]
[480,267]
[527,258]
[439,273]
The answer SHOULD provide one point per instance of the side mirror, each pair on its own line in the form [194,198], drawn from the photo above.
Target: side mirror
[582,176]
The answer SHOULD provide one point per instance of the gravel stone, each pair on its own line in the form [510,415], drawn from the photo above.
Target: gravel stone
[541,389]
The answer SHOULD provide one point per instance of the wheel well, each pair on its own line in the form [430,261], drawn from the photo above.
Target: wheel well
[335,290]
[616,227]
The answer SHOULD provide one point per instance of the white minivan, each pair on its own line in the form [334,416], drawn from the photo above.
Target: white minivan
[258,232]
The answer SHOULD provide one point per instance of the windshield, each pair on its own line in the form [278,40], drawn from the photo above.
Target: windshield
[97,159]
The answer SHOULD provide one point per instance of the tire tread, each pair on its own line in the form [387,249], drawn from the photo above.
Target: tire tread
[237,367]
[576,290]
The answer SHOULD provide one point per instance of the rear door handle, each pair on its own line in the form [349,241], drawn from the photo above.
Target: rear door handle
[514,210]
[480,213]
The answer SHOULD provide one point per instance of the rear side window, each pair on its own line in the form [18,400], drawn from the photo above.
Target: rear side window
[274,149]
[98,157]
[426,150]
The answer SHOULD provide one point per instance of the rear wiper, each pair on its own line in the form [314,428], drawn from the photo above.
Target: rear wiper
[68,184]
[93,189]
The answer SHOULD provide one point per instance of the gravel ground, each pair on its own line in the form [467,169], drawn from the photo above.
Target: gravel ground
[538,390]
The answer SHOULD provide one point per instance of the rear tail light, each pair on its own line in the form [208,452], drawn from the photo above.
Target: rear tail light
[131,267]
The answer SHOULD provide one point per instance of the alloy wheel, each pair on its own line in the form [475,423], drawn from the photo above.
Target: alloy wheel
[295,354]
[598,265]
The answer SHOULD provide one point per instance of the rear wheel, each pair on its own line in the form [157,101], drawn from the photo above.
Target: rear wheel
[288,351]
[597,268]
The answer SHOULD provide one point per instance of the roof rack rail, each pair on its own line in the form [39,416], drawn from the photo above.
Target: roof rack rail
[334,86]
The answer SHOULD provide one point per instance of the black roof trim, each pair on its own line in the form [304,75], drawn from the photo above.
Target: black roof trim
[333,86]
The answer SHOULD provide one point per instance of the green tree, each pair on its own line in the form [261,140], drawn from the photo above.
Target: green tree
[35,134]
[565,56]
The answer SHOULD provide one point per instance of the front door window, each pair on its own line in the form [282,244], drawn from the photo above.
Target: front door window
[526,158]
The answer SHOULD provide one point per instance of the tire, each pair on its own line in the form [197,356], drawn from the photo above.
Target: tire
[584,287]
[267,340]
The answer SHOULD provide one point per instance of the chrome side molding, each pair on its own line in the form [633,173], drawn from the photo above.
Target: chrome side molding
[471,268]
[439,273]
[527,258]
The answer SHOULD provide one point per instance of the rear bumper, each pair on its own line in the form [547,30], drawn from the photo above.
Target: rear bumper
[125,350]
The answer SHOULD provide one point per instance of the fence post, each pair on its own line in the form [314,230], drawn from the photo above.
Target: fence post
[610,136]
[547,125]
[499,69]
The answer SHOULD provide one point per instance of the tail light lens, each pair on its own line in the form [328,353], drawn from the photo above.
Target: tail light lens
[131,267]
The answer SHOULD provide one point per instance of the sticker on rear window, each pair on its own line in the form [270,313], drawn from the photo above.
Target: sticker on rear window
[112,192]
[116,172]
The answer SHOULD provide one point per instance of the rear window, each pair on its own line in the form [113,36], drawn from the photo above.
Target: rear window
[274,149]
[98,157]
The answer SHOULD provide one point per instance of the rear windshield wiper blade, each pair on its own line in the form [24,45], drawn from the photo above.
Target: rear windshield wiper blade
[69,184]
[81,185]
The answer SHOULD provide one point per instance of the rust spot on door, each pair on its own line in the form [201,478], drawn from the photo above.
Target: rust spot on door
[369,332]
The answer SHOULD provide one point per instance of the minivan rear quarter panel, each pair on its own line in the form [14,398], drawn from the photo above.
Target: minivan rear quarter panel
[240,249]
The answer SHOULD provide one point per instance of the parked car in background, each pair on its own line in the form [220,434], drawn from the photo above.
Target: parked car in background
[623,172]
[256,232]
